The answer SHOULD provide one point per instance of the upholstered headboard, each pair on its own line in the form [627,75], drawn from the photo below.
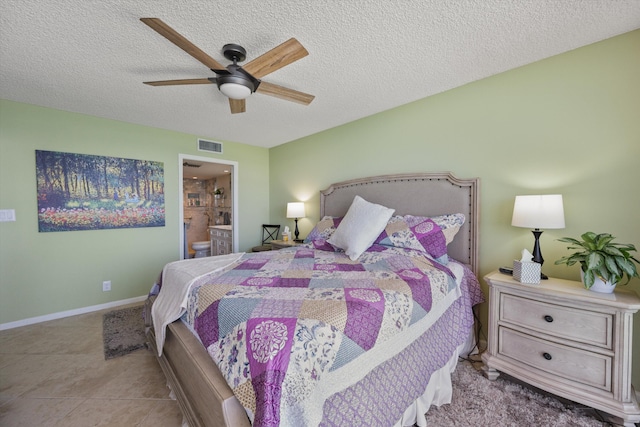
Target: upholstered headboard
[424,194]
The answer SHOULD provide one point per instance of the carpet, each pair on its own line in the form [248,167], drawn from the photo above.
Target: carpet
[478,401]
[123,331]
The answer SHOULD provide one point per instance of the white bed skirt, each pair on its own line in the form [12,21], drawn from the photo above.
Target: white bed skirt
[438,391]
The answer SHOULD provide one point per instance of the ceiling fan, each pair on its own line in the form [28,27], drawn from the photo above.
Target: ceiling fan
[235,81]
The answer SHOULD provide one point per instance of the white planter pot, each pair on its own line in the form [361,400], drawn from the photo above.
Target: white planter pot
[599,285]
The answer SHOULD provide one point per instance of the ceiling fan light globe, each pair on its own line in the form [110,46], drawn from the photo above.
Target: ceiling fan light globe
[235,86]
[235,90]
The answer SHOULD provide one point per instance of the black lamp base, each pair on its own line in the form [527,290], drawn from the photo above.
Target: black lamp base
[296,232]
[537,253]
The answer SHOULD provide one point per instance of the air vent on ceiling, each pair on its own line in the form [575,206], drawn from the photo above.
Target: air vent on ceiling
[212,146]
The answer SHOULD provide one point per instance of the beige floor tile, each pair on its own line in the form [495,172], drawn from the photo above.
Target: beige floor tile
[7,359]
[66,340]
[142,378]
[87,320]
[108,412]
[24,372]
[166,413]
[18,340]
[77,376]
[36,412]
[54,374]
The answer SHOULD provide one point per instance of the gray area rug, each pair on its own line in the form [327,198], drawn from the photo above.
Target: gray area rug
[477,401]
[123,331]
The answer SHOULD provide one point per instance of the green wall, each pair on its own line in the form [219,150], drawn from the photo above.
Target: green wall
[45,273]
[569,124]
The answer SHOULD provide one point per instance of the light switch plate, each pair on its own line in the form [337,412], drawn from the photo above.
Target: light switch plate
[7,215]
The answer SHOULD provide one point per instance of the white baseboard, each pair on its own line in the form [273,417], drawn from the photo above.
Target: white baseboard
[75,312]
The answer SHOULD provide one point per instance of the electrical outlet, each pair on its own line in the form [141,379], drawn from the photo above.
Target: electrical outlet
[106,286]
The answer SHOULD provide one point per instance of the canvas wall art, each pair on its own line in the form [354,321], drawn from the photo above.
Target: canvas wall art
[87,192]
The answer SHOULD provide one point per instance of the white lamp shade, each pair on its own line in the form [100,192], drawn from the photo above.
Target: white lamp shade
[543,211]
[295,210]
[235,90]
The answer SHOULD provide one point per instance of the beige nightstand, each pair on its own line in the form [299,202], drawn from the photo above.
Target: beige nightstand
[567,340]
[281,244]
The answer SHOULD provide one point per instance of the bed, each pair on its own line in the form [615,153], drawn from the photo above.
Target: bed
[387,375]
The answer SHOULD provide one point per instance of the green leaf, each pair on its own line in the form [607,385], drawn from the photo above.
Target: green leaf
[612,250]
[589,236]
[604,274]
[570,240]
[612,265]
[627,247]
[594,260]
[603,240]
[588,279]
[627,266]
[572,259]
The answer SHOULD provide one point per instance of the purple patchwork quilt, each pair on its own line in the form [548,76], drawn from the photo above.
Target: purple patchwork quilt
[297,332]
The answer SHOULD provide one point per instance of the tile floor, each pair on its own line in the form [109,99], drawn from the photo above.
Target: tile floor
[54,374]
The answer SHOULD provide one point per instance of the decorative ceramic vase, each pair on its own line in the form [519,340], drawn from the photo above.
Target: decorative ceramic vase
[599,285]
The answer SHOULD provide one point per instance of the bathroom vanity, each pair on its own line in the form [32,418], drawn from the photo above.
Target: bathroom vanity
[221,239]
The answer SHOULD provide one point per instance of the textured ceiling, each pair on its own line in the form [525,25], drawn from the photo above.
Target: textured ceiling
[91,56]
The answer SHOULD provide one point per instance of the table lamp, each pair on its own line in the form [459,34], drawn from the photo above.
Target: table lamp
[542,211]
[295,210]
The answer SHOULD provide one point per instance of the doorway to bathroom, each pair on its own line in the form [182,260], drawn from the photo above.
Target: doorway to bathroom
[208,205]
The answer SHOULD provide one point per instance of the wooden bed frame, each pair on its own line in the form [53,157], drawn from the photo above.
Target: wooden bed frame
[200,389]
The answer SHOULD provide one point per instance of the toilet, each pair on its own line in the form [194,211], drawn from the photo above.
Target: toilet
[202,248]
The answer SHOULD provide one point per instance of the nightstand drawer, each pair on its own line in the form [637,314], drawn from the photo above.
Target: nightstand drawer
[580,325]
[575,365]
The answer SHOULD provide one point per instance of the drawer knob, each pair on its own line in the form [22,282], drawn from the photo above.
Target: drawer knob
[548,318]
[547,356]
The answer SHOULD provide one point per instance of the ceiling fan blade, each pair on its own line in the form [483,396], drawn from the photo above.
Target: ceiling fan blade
[284,93]
[278,57]
[180,82]
[237,105]
[176,38]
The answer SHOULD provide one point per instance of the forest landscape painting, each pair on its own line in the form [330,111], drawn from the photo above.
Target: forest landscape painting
[87,192]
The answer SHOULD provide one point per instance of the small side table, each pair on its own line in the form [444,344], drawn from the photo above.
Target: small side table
[281,244]
[564,339]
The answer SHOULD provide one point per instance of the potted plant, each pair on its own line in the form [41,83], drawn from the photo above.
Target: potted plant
[601,260]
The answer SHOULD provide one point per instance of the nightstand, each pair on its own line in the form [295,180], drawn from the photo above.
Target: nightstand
[281,244]
[564,339]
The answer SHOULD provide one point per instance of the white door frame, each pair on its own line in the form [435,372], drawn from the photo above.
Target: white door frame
[234,184]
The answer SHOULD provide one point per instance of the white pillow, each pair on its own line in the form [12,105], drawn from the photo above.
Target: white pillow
[360,227]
